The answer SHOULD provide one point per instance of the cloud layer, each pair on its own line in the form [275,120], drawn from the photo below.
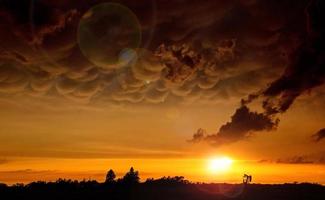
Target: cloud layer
[305,71]
[243,123]
[191,53]
[199,52]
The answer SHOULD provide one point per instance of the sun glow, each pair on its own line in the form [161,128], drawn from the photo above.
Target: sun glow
[220,164]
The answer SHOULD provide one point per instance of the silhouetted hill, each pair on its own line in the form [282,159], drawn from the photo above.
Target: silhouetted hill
[175,188]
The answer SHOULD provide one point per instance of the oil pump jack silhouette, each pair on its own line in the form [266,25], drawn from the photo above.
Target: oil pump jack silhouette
[247,179]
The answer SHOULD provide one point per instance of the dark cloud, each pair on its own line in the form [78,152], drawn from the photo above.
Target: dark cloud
[199,136]
[305,71]
[242,125]
[181,62]
[190,52]
[244,121]
[319,135]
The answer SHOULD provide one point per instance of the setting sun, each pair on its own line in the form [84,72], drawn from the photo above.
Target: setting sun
[220,164]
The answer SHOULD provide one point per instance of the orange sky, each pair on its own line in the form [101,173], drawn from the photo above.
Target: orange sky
[193,169]
[85,87]
[42,144]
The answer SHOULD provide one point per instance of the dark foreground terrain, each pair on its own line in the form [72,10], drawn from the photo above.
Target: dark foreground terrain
[162,189]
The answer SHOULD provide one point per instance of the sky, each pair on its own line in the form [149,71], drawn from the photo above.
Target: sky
[163,86]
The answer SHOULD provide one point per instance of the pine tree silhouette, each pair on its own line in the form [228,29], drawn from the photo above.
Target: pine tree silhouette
[110,176]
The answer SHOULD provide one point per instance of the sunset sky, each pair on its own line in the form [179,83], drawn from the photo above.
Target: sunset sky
[164,86]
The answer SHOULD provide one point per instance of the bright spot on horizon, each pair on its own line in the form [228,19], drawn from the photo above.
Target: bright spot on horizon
[219,164]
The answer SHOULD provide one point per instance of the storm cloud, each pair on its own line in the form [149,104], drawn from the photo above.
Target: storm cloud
[242,125]
[304,72]
[190,53]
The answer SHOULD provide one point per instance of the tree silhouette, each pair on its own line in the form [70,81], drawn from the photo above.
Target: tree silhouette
[131,177]
[176,187]
[110,176]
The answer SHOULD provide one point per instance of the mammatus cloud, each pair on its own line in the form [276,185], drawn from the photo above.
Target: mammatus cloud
[320,135]
[192,56]
[199,52]
[304,72]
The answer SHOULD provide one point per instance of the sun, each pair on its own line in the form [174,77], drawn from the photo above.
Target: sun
[219,164]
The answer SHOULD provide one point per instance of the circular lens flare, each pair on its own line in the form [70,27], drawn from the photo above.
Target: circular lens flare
[108,35]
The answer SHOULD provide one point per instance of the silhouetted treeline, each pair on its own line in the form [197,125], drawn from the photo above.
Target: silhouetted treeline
[166,188]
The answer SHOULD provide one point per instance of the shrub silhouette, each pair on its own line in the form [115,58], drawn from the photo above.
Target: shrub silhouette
[131,177]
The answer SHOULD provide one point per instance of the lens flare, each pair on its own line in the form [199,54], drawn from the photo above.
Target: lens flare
[108,35]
